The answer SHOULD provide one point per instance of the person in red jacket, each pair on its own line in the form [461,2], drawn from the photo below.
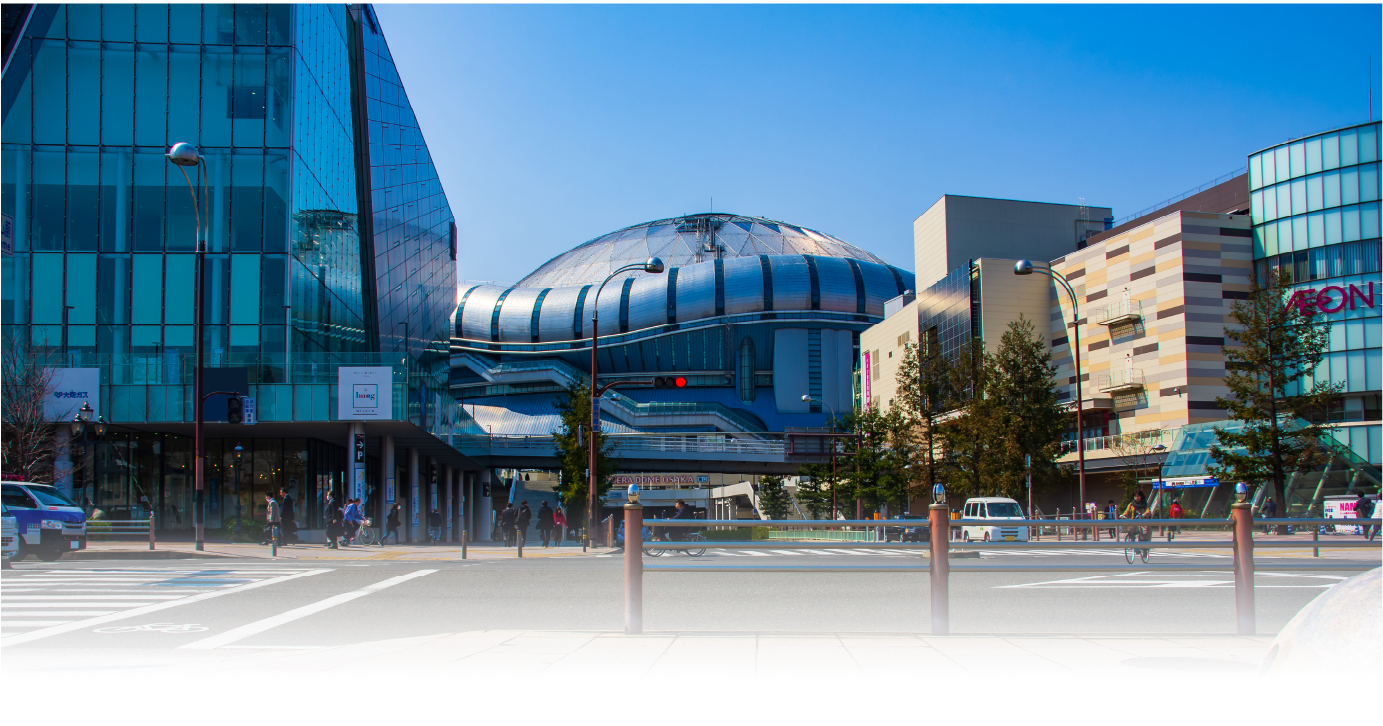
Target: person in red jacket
[1177,513]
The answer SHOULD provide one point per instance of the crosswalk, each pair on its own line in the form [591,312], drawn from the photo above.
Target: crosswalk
[35,599]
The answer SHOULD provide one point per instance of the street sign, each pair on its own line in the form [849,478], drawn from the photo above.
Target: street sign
[360,448]
[249,412]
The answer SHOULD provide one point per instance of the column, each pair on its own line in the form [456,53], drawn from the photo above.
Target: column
[386,477]
[411,516]
[449,502]
[483,507]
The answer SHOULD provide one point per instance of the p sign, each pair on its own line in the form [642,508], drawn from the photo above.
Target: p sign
[365,393]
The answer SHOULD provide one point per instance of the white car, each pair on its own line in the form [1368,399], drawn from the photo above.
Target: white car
[997,509]
[9,534]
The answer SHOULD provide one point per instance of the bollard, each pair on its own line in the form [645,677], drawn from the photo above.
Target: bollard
[463,544]
[519,540]
[1243,568]
[1316,537]
[633,569]
[151,530]
[273,540]
[610,532]
[940,569]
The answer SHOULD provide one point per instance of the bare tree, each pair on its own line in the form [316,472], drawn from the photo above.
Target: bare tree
[25,384]
[1136,451]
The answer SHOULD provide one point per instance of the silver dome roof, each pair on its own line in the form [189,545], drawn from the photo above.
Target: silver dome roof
[682,241]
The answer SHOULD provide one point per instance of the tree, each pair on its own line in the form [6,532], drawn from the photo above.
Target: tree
[1029,415]
[971,433]
[1270,360]
[774,500]
[872,468]
[814,485]
[1139,457]
[574,408]
[30,443]
[924,396]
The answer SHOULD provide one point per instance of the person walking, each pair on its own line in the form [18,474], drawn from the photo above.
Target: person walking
[271,519]
[331,519]
[545,521]
[507,518]
[1363,509]
[434,526]
[525,516]
[1177,513]
[1111,511]
[391,524]
[1269,511]
[559,525]
[288,515]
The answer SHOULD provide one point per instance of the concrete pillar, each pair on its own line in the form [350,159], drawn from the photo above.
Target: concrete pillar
[468,480]
[414,496]
[449,499]
[483,507]
[386,477]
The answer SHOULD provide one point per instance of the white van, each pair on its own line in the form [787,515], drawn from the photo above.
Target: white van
[995,508]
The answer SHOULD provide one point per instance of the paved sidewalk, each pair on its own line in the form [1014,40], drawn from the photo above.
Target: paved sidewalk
[187,550]
[595,654]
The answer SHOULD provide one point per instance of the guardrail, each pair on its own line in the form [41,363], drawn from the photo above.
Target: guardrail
[941,542]
[121,528]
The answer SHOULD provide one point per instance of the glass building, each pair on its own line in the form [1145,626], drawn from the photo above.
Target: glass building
[329,238]
[1315,209]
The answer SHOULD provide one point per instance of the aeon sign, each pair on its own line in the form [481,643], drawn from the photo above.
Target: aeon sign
[1331,299]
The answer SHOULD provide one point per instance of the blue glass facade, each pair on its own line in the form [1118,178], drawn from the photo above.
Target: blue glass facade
[1315,209]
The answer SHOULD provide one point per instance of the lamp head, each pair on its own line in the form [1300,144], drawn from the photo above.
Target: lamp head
[239,450]
[654,265]
[184,154]
[938,493]
[1159,447]
[100,426]
[1241,491]
[1022,267]
[633,493]
[806,398]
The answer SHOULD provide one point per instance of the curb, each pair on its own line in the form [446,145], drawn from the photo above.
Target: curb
[143,555]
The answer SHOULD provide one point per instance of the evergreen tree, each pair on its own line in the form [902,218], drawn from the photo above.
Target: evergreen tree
[574,408]
[924,396]
[1270,361]
[971,434]
[872,467]
[814,485]
[774,500]
[1029,416]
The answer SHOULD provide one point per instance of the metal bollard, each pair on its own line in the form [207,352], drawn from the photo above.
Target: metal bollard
[1316,537]
[463,544]
[274,540]
[940,569]
[519,540]
[151,530]
[633,569]
[1243,568]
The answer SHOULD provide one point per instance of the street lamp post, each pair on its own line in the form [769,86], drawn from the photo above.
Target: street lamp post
[1025,267]
[239,451]
[652,265]
[183,155]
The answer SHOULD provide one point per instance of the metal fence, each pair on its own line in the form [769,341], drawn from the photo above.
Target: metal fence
[122,529]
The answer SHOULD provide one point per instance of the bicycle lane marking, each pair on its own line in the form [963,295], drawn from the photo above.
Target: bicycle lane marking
[259,626]
[156,607]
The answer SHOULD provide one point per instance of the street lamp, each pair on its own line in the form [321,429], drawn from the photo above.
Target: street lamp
[239,451]
[1025,267]
[1160,491]
[183,155]
[651,265]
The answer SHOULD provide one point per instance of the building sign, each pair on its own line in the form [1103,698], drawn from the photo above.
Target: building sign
[365,393]
[1331,299]
[867,377]
[359,449]
[625,480]
[249,410]
[71,387]
[6,234]
[1187,483]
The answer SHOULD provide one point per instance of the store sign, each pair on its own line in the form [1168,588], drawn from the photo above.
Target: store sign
[365,393]
[71,387]
[625,480]
[6,234]
[868,396]
[1187,483]
[1331,299]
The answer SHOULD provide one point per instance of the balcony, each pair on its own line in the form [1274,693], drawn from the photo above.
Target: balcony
[1122,312]
[1119,381]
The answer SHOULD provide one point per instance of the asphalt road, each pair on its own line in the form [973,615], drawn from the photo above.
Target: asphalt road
[253,604]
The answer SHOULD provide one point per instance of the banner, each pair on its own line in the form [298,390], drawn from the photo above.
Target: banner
[365,393]
[71,388]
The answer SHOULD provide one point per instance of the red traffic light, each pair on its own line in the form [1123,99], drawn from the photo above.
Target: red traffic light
[669,382]
[680,382]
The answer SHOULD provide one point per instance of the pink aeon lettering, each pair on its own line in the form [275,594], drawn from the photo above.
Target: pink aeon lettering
[1354,292]
[1323,299]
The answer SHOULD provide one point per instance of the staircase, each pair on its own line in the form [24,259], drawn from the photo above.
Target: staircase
[536,492]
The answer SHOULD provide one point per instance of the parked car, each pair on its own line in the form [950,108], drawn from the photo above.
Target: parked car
[996,509]
[900,532]
[48,523]
[9,535]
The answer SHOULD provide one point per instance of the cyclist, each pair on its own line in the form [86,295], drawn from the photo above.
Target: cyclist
[1138,509]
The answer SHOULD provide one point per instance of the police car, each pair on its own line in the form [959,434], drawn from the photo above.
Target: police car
[9,535]
[48,523]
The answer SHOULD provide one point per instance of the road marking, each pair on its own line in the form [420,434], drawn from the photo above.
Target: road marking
[93,597]
[752,553]
[153,608]
[245,631]
[785,552]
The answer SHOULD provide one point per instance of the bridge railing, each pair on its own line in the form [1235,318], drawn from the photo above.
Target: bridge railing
[685,444]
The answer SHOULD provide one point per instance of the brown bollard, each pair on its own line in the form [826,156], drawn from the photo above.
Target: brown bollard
[941,569]
[151,530]
[519,540]
[633,569]
[464,539]
[1243,568]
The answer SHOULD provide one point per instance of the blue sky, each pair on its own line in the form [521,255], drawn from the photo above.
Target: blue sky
[550,125]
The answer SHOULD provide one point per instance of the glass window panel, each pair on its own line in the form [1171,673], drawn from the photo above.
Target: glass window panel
[1259,247]
[1270,203]
[1255,171]
[1354,334]
[182,213]
[1302,271]
[1332,189]
[81,288]
[250,28]
[1283,167]
[83,82]
[1330,145]
[217,66]
[117,93]
[1299,233]
[1373,334]
[1269,168]
[151,23]
[274,283]
[184,71]
[217,287]
[1314,191]
[116,170]
[1349,147]
[117,22]
[276,195]
[1368,256]
[1349,186]
[47,288]
[49,177]
[1284,199]
[218,24]
[1351,254]
[245,292]
[180,276]
[1297,153]
[1351,223]
[278,127]
[113,290]
[1357,376]
[83,22]
[185,23]
[1270,240]
[1299,196]
[1313,155]
[1368,144]
[50,92]
[1256,206]
[1368,182]
[1315,227]
[1318,267]
[1284,235]
[247,202]
[83,194]
[145,337]
[1368,220]
[280,24]
[1334,261]
[151,95]
[248,103]
[147,286]
[1334,229]
[149,187]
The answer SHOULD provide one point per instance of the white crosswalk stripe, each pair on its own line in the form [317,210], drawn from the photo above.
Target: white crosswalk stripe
[43,598]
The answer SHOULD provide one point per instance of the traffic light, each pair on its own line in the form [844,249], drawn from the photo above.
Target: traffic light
[669,382]
[235,410]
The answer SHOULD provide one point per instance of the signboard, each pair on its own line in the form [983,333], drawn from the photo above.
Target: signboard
[358,485]
[71,388]
[359,449]
[1343,508]
[365,393]
[1187,483]
[413,505]
[1331,299]
[6,234]
[867,388]
[250,412]
[625,480]
[595,406]
[389,491]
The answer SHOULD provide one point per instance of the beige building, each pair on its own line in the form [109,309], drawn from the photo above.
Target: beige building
[881,351]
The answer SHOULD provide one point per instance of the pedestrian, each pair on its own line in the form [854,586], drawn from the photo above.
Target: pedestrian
[350,521]
[271,519]
[559,525]
[434,526]
[1269,511]
[545,522]
[521,521]
[391,524]
[1177,513]
[288,516]
[331,518]
[1363,509]
[1111,511]
[507,518]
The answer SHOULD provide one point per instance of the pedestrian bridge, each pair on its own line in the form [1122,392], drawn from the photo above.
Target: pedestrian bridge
[639,452]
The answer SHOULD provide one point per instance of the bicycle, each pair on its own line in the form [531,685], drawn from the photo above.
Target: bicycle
[651,551]
[695,537]
[365,535]
[1130,551]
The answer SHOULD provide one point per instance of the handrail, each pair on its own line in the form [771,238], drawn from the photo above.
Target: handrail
[107,527]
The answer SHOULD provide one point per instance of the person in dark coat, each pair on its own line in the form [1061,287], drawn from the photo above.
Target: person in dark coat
[545,523]
[507,518]
[331,516]
[524,517]
[391,524]
[288,517]
[434,526]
